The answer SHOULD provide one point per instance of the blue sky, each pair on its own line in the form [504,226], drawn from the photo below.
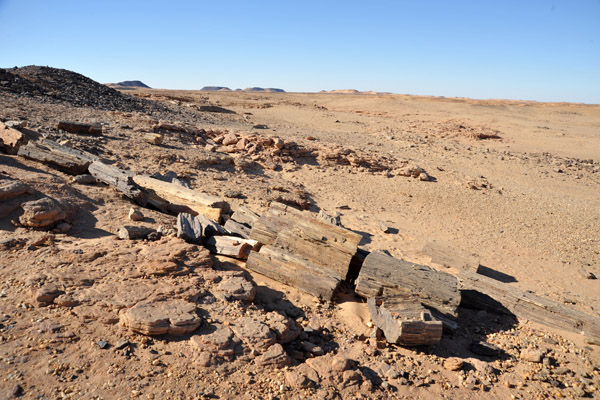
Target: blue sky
[536,50]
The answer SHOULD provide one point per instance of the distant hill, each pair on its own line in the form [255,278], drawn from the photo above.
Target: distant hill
[268,90]
[252,89]
[55,85]
[215,89]
[133,84]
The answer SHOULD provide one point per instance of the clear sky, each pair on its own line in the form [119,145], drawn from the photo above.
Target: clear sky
[527,49]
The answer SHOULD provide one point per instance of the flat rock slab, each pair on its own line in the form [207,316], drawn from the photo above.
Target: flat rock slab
[274,356]
[174,317]
[42,213]
[221,342]
[11,189]
[256,334]
[129,232]
[236,288]
[173,256]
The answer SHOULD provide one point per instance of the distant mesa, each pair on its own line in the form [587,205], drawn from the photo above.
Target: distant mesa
[252,89]
[216,89]
[344,91]
[139,84]
[267,90]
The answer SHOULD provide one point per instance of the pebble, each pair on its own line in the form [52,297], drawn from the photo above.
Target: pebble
[532,355]
[103,344]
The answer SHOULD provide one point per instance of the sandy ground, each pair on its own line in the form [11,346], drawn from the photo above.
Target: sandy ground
[517,183]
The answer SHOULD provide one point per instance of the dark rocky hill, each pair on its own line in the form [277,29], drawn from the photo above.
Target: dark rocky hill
[60,85]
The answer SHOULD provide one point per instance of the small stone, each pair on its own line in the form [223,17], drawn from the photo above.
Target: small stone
[103,344]
[254,333]
[85,179]
[312,348]
[383,226]
[153,138]
[236,288]
[15,391]
[46,294]
[351,376]
[65,300]
[453,364]
[532,355]
[274,356]
[135,214]
[482,314]
[230,139]
[340,363]
[63,228]
[121,344]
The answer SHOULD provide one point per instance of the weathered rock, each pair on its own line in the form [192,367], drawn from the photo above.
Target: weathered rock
[285,328]
[62,228]
[78,127]
[65,300]
[297,380]
[129,232]
[254,333]
[322,365]
[275,356]
[340,363]
[46,294]
[12,189]
[189,228]
[153,138]
[42,213]
[173,255]
[135,214]
[236,288]
[85,179]
[10,138]
[230,139]
[221,342]
[174,317]
[532,355]
[453,364]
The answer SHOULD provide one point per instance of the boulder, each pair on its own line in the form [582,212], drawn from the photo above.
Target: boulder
[42,213]
[174,317]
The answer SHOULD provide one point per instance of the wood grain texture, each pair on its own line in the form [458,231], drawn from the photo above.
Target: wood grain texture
[383,275]
[485,293]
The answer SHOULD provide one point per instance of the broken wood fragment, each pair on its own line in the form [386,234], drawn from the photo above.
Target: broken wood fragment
[64,159]
[451,257]
[484,293]
[246,216]
[236,228]
[404,320]
[302,233]
[10,138]
[230,246]
[120,180]
[189,228]
[79,127]
[175,197]
[383,275]
[292,270]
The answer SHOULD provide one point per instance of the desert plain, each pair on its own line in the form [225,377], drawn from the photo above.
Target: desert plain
[515,184]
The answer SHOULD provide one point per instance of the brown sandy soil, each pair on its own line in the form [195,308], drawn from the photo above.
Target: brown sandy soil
[517,183]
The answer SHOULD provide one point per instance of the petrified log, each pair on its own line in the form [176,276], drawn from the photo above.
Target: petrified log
[383,275]
[78,127]
[447,256]
[119,180]
[230,246]
[485,293]
[42,213]
[404,320]
[134,232]
[234,227]
[303,234]
[177,197]
[294,271]
[246,216]
[68,160]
